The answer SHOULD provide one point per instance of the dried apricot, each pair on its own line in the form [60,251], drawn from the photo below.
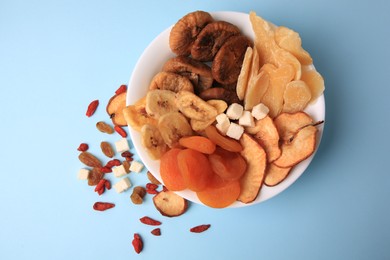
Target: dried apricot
[169,170]
[195,169]
[228,165]
[222,196]
[199,143]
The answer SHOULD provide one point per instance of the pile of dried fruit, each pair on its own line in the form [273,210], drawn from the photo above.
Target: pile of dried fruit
[166,202]
[220,131]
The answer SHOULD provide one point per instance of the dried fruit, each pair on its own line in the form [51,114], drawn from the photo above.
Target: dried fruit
[137,243]
[121,89]
[156,232]
[95,175]
[126,164]
[104,127]
[89,160]
[107,149]
[83,147]
[106,169]
[170,204]
[149,221]
[138,195]
[112,163]
[200,228]
[120,131]
[151,186]
[102,206]
[92,108]
[115,107]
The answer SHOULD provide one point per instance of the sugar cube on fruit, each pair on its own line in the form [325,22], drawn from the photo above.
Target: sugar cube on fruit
[119,171]
[223,123]
[234,111]
[246,119]
[122,145]
[122,185]
[235,131]
[83,174]
[136,166]
[260,111]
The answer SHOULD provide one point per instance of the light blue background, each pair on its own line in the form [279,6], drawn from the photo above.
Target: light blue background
[56,56]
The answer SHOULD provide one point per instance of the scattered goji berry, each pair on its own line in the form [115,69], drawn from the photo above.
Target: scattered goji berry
[151,191]
[156,232]
[112,163]
[127,154]
[92,108]
[151,186]
[137,243]
[102,206]
[120,131]
[150,221]
[101,191]
[106,169]
[100,185]
[107,184]
[200,228]
[83,147]
[121,89]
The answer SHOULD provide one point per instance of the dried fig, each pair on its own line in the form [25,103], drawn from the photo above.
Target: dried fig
[229,96]
[197,72]
[171,81]
[211,38]
[227,62]
[185,31]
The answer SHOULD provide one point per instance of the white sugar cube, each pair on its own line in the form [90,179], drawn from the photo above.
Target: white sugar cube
[223,123]
[119,171]
[122,145]
[83,174]
[122,185]
[235,131]
[246,119]
[234,111]
[136,166]
[260,111]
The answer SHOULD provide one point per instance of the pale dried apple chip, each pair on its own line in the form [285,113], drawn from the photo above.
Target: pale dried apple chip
[296,96]
[303,145]
[290,40]
[268,137]
[314,81]
[275,175]
[289,124]
[243,77]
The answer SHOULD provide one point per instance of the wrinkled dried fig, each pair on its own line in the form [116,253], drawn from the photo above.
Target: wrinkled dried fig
[227,62]
[185,31]
[197,72]
[211,38]
[229,96]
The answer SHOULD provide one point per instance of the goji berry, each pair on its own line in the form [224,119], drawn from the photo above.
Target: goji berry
[102,206]
[100,185]
[150,221]
[107,184]
[156,232]
[127,154]
[137,243]
[151,186]
[105,169]
[151,191]
[112,163]
[120,131]
[101,191]
[92,108]
[200,228]
[121,89]
[83,147]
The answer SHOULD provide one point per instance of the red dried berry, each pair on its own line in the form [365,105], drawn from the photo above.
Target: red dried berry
[150,221]
[137,243]
[92,108]
[156,232]
[200,228]
[121,89]
[102,206]
[83,147]
[120,131]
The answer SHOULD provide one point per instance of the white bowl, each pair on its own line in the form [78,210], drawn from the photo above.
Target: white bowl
[151,62]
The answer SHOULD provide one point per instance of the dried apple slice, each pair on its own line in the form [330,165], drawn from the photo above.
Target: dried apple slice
[289,124]
[275,175]
[268,138]
[115,107]
[170,204]
[301,147]
[253,178]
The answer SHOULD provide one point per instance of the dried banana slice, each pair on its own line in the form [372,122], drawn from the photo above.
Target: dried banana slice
[160,102]
[194,107]
[172,127]
[153,142]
